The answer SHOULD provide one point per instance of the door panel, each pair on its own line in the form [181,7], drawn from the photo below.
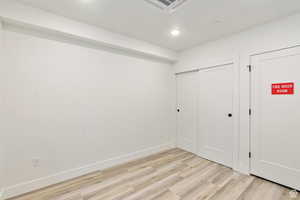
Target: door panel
[215,103]
[187,117]
[275,124]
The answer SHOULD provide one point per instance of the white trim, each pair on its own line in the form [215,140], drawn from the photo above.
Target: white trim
[207,66]
[176,113]
[188,71]
[1,140]
[1,194]
[33,185]
[187,145]
[216,64]
[237,117]
[264,51]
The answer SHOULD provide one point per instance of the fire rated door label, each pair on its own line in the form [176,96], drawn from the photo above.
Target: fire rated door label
[283,88]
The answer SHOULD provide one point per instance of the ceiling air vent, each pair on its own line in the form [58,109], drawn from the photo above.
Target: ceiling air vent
[167,5]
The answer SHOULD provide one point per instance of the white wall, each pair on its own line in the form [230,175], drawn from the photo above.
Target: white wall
[79,109]
[74,107]
[13,12]
[276,35]
[1,135]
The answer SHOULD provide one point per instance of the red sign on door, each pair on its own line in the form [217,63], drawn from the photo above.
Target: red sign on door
[283,88]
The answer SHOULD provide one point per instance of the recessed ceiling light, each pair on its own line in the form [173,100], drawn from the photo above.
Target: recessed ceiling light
[175,32]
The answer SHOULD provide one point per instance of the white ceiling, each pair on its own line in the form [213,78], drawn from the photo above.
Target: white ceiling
[198,20]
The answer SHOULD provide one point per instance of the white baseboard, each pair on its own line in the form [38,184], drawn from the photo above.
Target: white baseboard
[1,194]
[33,185]
[186,144]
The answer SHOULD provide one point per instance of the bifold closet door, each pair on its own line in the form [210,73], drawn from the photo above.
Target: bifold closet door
[275,121]
[187,111]
[215,114]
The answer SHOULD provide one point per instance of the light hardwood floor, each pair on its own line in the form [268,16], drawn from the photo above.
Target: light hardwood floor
[174,174]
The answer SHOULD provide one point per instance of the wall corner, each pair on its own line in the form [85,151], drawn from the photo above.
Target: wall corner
[1,194]
[1,149]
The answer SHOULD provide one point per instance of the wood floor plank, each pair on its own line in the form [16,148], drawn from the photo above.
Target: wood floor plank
[167,194]
[169,175]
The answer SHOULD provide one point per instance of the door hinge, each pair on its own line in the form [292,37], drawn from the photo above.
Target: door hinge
[250,112]
[250,154]
[250,68]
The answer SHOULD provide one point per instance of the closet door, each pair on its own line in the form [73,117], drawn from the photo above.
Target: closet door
[215,114]
[187,111]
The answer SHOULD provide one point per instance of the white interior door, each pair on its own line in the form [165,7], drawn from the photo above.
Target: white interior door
[187,115]
[215,107]
[275,124]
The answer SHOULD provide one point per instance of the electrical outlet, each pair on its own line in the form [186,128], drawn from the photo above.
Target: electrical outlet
[35,162]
